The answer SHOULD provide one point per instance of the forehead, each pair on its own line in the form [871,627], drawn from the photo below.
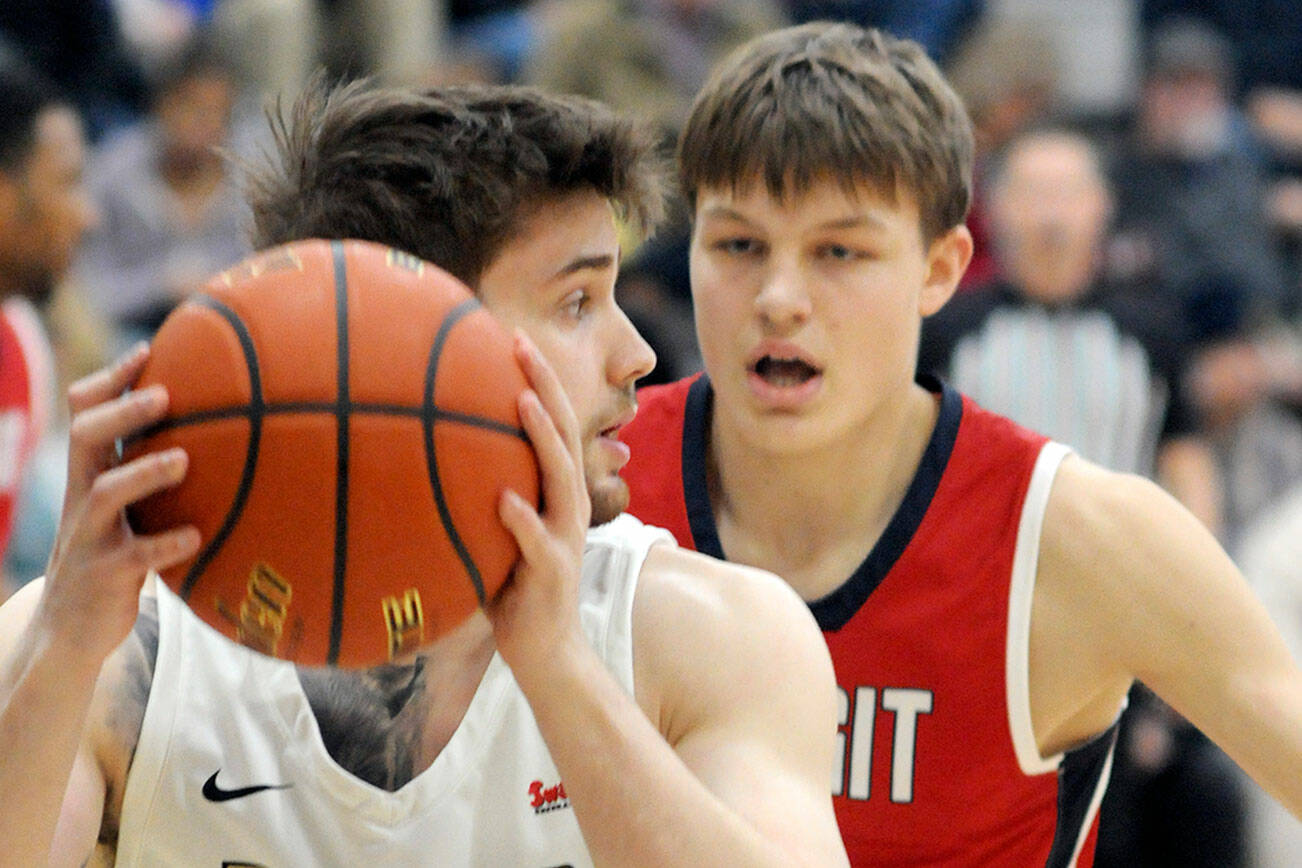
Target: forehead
[826,200]
[556,232]
[57,143]
[1051,169]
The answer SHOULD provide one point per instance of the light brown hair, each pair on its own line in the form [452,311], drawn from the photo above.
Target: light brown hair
[819,101]
[447,174]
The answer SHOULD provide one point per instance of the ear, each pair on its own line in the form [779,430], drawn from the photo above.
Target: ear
[946,261]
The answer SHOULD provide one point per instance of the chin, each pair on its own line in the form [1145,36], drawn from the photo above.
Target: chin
[609,498]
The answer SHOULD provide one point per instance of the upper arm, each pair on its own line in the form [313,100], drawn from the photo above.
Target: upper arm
[83,807]
[1152,596]
[99,767]
[737,675]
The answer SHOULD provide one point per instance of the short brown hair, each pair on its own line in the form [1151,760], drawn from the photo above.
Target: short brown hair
[447,174]
[832,100]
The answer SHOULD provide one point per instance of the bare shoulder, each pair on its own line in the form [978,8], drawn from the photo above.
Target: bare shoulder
[705,627]
[680,588]
[1130,580]
[1104,531]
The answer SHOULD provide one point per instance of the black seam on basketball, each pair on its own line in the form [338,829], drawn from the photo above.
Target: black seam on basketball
[251,454]
[341,461]
[199,417]
[431,460]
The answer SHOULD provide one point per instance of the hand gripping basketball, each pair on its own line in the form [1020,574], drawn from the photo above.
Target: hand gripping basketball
[350,413]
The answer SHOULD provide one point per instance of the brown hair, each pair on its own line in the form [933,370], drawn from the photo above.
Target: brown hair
[447,174]
[832,100]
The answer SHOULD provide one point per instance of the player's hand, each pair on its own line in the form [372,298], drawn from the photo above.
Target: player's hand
[97,567]
[537,611]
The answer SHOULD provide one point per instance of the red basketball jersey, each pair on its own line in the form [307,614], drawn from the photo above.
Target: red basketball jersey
[929,638]
[25,381]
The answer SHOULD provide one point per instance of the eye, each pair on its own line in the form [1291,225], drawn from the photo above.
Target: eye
[739,246]
[575,304]
[838,252]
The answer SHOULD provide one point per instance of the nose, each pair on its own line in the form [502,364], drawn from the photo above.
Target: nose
[632,357]
[88,212]
[782,303]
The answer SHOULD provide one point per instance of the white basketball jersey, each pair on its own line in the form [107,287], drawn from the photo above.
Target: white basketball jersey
[231,770]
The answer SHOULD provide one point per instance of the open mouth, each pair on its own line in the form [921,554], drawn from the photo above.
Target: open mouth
[624,418]
[784,372]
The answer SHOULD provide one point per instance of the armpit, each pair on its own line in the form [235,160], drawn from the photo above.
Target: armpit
[119,710]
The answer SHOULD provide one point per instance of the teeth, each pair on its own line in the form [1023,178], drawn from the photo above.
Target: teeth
[784,372]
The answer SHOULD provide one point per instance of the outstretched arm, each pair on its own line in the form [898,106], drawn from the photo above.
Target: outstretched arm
[56,636]
[735,768]
[1132,586]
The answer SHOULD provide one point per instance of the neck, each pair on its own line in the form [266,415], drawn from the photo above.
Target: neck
[811,516]
[388,724]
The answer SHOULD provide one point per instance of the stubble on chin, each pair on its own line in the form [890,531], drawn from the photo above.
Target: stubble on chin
[609,498]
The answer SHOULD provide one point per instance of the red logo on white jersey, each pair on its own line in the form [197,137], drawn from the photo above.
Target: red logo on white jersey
[543,799]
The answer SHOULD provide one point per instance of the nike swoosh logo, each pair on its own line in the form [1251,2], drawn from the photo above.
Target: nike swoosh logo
[214,793]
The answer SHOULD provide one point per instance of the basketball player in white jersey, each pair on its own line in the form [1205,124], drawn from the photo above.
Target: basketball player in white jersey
[630,703]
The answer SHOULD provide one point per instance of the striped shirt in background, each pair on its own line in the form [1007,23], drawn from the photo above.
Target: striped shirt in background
[1100,374]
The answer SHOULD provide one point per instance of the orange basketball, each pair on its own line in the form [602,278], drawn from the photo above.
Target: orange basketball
[350,416]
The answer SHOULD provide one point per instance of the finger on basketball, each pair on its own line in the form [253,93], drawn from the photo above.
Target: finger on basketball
[549,390]
[161,550]
[555,462]
[104,423]
[524,523]
[518,517]
[113,490]
[108,382]
[95,431]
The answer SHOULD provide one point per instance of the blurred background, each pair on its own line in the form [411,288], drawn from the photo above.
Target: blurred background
[1136,291]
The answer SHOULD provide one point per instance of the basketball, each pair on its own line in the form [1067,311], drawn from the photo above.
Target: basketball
[350,415]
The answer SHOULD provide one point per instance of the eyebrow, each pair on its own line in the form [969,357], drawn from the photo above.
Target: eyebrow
[869,221]
[600,261]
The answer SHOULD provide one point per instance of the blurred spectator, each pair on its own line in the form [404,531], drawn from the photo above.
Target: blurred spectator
[80,342]
[645,57]
[172,215]
[1054,345]
[1093,365]
[499,35]
[1266,33]
[275,46]
[155,31]
[1191,184]
[398,41]
[939,25]
[1267,38]
[1096,48]
[44,210]
[1006,73]
[1248,388]
[78,45]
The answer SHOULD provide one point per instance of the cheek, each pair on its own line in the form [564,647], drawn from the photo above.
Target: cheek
[580,379]
[718,300]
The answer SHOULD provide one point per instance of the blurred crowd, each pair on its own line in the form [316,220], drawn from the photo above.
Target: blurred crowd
[1136,291]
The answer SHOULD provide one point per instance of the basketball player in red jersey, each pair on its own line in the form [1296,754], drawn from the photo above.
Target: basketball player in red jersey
[613,706]
[987,597]
[44,210]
